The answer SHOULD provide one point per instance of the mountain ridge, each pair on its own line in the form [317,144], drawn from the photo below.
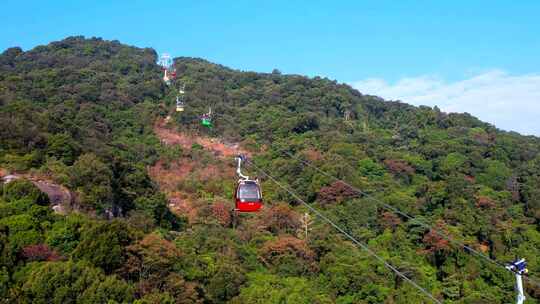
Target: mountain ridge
[84,112]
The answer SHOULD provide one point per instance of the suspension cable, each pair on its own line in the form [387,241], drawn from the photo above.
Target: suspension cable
[405,215]
[348,235]
[410,217]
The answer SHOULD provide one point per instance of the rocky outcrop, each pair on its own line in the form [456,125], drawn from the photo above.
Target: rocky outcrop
[61,198]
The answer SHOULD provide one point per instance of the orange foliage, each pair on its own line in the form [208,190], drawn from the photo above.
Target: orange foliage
[390,220]
[222,213]
[434,242]
[151,257]
[280,218]
[182,291]
[337,192]
[40,252]
[397,166]
[485,202]
[286,245]
[208,172]
[484,247]
[484,138]
[313,155]
[470,179]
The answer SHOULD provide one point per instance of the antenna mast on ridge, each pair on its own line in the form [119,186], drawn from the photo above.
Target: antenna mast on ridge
[166,63]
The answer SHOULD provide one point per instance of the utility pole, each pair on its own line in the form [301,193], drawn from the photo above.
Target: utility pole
[306,223]
[166,63]
[347,115]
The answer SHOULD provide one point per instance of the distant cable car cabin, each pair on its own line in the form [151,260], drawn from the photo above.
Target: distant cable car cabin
[248,195]
[180,104]
[206,119]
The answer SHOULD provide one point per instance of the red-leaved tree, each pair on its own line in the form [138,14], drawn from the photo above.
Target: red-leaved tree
[222,213]
[485,202]
[289,255]
[40,252]
[436,245]
[337,192]
[280,218]
[390,220]
[399,168]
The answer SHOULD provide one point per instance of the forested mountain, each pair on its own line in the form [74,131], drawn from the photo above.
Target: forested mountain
[83,113]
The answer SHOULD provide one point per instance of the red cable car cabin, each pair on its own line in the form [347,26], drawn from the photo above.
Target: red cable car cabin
[248,196]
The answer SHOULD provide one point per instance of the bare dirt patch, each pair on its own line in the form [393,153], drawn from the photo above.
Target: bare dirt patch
[180,203]
[171,137]
[169,176]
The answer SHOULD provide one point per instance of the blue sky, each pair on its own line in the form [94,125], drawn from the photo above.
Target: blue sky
[469,56]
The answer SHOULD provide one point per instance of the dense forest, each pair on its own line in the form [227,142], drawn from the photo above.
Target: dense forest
[82,113]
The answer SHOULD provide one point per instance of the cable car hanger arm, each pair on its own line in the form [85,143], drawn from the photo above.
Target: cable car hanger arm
[239,159]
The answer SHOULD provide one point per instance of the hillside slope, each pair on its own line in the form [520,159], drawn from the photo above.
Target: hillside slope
[87,113]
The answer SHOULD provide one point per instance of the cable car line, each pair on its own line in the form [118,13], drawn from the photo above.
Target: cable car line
[329,221]
[395,210]
[412,218]
[166,63]
[348,235]
[509,267]
[406,215]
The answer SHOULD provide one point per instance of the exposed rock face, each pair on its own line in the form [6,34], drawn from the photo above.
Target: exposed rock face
[60,197]
[9,178]
[57,194]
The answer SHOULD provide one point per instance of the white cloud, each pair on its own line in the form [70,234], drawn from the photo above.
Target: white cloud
[510,102]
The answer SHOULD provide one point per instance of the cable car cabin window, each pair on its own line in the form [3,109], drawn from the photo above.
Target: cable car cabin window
[249,192]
